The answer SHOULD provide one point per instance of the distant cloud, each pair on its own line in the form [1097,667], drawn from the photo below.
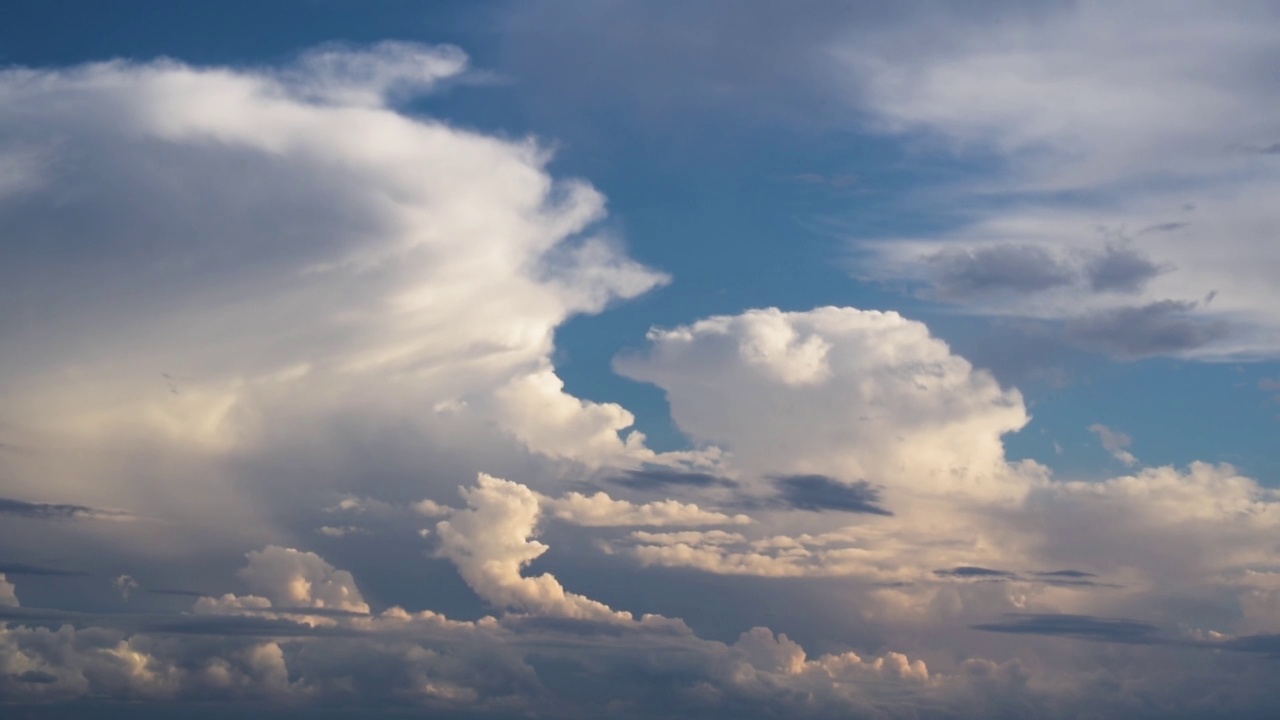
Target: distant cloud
[1080,627]
[125,584]
[600,510]
[1115,443]
[1267,644]
[1121,269]
[1066,574]
[997,269]
[1163,327]
[340,531]
[966,571]
[17,568]
[1165,226]
[37,677]
[1271,385]
[837,181]
[821,492]
[662,478]
[1062,578]
[1270,149]
[55,511]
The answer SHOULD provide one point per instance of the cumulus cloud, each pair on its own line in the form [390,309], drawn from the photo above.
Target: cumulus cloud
[124,584]
[283,266]
[491,541]
[293,578]
[7,595]
[883,401]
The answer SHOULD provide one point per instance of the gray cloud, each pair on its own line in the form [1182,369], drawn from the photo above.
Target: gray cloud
[1065,574]
[968,571]
[1123,269]
[36,677]
[1271,149]
[1061,578]
[1158,328]
[19,568]
[661,478]
[1262,644]
[53,511]
[998,269]
[171,591]
[1164,227]
[1080,627]
[820,492]
[239,626]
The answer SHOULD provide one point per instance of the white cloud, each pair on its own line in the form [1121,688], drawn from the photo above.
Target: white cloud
[337,531]
[281,264]
[491,541]
[387,71]
[600,510]
[888,403]
[1115,443]
[8,596]
[292,578]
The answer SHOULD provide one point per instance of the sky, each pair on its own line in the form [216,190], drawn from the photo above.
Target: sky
[586,359]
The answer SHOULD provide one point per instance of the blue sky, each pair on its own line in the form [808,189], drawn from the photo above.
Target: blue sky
[894,359]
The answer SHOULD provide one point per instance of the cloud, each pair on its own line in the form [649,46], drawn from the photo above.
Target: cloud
[491,542]
[974,572]
[1264,644]
[1163,327]
[7,595]
[1270,385]
[820,492]
[55,511]
[362,305]
[17,568]
[1123,269]
[334,531]
[1115,443]
[1006,268]
[600,510]
[308,266]
[1040,106]
[387,71]
[37,676]
[300,579]
[882,401]
[124,584]
[660,478]
[1080,627]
